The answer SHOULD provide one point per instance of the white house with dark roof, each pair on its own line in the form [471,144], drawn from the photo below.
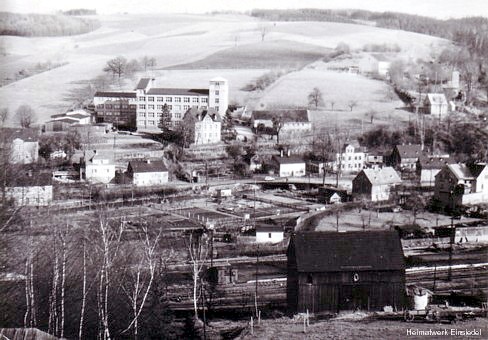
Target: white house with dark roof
[147,172]
[461,184]
[97,167]
[351,159]
[436,104]
[375,184]
[269,233]
[25,188]
[63,121]
[151,101]
[291,166]
[292,121]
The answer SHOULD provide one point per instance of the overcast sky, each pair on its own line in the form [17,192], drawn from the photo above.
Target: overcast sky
[442,9]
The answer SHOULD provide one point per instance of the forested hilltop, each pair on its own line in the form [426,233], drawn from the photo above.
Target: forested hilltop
[471,32]
[39,25]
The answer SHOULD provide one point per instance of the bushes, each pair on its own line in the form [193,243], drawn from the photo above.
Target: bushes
[39,25]
[263,81]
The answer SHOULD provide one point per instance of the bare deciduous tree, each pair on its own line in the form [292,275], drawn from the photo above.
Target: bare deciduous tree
[352,104]
[332,103]
[25,116]
[197,251]
[3,116]
[315,97]
[116,66]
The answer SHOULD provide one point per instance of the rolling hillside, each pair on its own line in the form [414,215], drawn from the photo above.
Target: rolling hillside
[204,45]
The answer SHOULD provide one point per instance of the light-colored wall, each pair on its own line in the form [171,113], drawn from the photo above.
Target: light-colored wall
[264,237]
[150,178]
[30,196]
[207,131]
[294,169]
[99,173]
[24,152]
[219,96]
[427,177]
[380,193]
[351,161]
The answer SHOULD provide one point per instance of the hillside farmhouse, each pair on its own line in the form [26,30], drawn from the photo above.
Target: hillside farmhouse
[461,184]
[405,157]
[375,63]
[375,184]
[292,121]
[436,104]
[21,145]
[351,159]
[147,172]
[97,167]
[63,121]
[26,189]
[331,272]
[291,166]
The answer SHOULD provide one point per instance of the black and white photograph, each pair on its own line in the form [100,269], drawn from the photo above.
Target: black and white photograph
[227,169]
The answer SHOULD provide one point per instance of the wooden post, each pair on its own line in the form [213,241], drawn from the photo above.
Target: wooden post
[259,317]
[252,327]
[304,324]
[308,319]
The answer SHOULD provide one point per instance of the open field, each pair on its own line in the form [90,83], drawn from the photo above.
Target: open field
[285,328]
[280,54]
[354,219]
[185,39]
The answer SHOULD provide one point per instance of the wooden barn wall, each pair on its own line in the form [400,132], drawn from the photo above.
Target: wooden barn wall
[338,291]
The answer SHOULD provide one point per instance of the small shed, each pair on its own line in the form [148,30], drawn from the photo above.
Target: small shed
[269,233]
[331,195]
[330,271]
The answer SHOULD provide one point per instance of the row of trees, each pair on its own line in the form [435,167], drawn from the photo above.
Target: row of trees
[91,283]
[25,116]
[38,25]
[121,67]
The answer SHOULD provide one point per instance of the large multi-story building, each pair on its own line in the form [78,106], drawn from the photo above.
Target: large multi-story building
[143,108]
[118,108]
[351,159]
[151,102]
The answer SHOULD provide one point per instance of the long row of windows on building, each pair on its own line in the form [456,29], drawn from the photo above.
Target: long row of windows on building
[174,99]
[115,106]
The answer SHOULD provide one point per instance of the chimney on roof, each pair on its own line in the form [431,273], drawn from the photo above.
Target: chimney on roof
[281,153]
[148,161]
[288,153]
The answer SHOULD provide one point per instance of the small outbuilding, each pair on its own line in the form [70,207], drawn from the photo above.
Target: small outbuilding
[147,172]
[269,233]
[330,272]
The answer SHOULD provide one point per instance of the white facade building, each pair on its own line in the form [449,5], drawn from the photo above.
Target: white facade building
[147,173]
[352,159]
[97,168]
[151,102]
[208,128]
[290,166]
[269,233]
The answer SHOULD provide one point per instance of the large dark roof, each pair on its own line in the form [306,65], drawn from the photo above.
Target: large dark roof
[115,94]
[143,83]
[351,251]
[288,160]
[410,151]
[27,178]
[430,163]
[145,166]
[286,115]
[178,92]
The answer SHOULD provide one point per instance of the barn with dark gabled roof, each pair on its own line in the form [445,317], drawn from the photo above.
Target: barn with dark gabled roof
[330,272]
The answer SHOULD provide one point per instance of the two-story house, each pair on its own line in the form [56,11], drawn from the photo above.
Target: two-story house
[20,145]
[291,121]
[436,104]
[405,157]
[291,166]
[97,167]
[351,159]
[461,184]
[375,184]
[147,172]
